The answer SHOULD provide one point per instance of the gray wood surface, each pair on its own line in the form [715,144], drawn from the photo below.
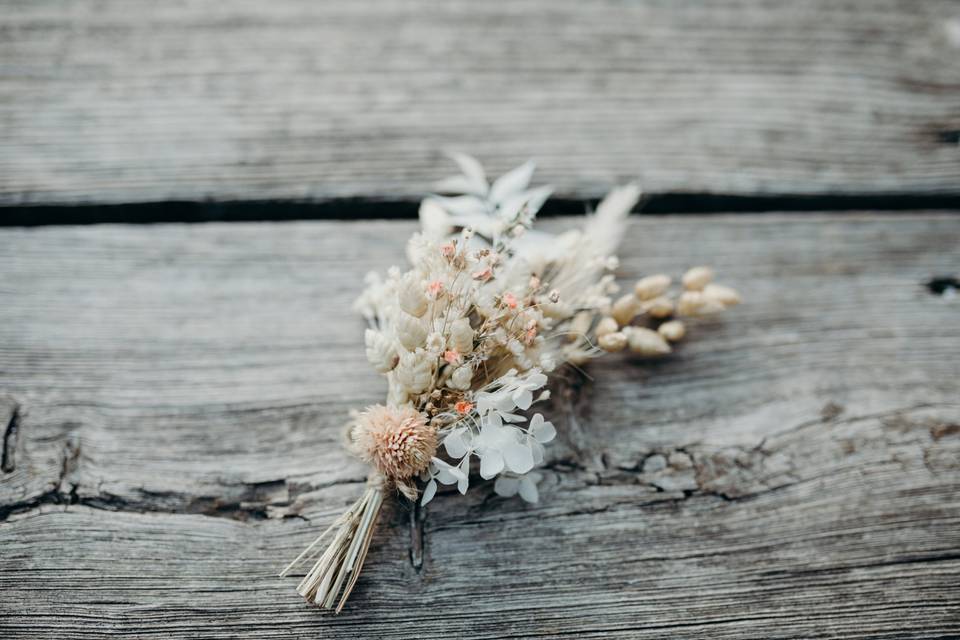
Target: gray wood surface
[173,397]
[136,100]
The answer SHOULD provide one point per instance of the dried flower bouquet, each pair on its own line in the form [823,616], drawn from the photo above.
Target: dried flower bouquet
[467,338]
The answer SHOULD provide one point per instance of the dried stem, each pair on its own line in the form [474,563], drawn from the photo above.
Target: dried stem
[339,565]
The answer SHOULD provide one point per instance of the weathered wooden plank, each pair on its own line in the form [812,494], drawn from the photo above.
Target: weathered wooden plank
[132,101]
[791,471]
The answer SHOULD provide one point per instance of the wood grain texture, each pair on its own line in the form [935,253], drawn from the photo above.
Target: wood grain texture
[791,471]
[131,100]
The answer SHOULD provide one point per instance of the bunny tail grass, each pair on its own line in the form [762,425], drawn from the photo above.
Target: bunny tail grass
[339,566]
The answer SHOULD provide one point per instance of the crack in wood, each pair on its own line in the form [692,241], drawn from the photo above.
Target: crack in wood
[417,517]
[10,436]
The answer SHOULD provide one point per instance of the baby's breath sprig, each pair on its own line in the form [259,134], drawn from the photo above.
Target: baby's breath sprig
[468,338]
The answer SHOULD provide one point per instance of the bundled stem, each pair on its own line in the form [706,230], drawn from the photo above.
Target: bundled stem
[339,566]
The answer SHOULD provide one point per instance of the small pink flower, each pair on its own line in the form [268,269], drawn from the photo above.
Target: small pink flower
[448,250]
[530,336]
[435,288]
[463,407]
[510,300]
[483,275]
[452,356]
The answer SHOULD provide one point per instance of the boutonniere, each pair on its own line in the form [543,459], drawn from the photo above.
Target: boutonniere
[468,338]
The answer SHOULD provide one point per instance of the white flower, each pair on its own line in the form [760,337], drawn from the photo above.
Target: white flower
[459,442]
[522,388]
[499,448]
[435,343]
[539,433]
[542,430]
[511,390]
[445,473]
[526,486]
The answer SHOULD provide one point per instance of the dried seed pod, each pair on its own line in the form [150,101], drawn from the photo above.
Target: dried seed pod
[695,303]
[659,307]
[580,325]
[605,326]
[625,309]
[414,372]
[672,330]
[646,342]
[724,295]
[410,331]
[697,278]
[612,342]
[461,336]
[380,352]
[651,286]
[410,295]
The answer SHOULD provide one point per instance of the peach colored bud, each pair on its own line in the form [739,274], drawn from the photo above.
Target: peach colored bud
[483,274]
[612,342]
[651,286]
[659,307]
[625,309]
[697,278]
[724,295]
[646,342]
[672,330]
[605,326]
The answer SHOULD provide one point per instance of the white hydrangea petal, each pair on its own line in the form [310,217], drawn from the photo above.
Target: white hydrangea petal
[537,450]
[523,398]
[456,444]
[446,473]
[464,482]
[504,403]
[542,430]
[491,463]
[428,492]
[506,486]
[445,476]
[528,489]
[518,457]
[536,379]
